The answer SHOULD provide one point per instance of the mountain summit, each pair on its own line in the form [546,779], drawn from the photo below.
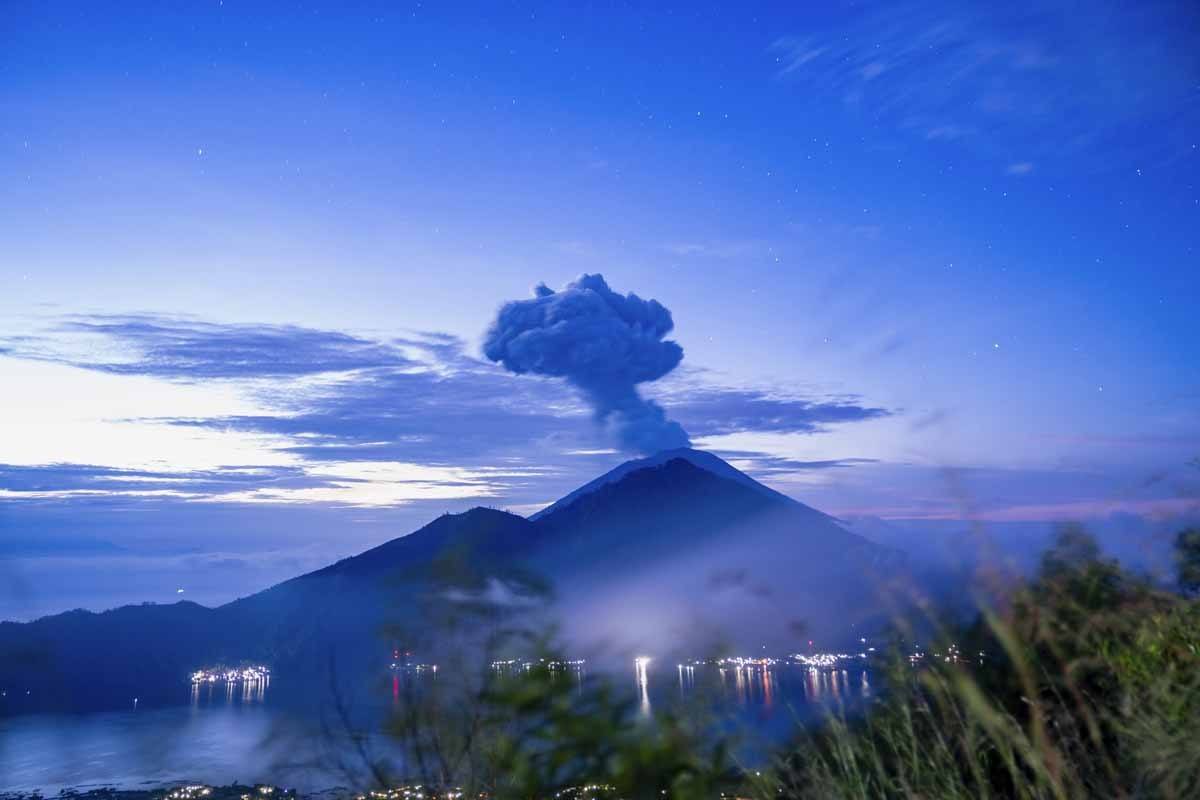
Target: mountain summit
[698,458]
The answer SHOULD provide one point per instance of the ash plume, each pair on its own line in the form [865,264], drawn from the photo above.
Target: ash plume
[603,343]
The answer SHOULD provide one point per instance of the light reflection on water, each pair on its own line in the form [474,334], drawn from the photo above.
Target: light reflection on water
[767,686]
[245,692]
[642,677]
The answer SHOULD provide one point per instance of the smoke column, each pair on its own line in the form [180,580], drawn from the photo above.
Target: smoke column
[603,343]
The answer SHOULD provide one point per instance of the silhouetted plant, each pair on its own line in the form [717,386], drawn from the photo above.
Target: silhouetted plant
[557,736]
[538,731]
[1187,560]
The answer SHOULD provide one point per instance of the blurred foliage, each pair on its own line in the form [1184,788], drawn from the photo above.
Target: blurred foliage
[1187,560]
[1086,685]
[557,736]
[538,731]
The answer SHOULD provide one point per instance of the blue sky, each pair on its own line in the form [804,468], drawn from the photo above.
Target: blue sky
[923,261]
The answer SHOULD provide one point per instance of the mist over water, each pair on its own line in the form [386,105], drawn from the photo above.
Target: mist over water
[215,742]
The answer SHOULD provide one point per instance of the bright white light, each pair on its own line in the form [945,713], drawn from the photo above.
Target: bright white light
[56,414]
[375,483]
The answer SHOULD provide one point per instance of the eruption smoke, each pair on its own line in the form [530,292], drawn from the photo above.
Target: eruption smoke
[604,344]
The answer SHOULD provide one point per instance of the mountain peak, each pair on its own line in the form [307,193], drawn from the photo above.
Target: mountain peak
[698,458]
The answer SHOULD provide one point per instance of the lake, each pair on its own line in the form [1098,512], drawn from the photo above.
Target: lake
[221,734]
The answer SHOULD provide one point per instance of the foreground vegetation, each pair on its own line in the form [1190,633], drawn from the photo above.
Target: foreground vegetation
[1088,686]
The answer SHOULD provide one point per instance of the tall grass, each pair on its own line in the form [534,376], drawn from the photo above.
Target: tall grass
[1086,685]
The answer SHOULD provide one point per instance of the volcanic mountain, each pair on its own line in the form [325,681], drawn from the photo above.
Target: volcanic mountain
[675,552]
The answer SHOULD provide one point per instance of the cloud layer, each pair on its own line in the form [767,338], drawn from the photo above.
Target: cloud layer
[180,348]
[269,414]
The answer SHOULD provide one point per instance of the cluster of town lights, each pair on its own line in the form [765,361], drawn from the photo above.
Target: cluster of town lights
[824,660]
[251,674]
[263,791]
[414,792]
[740,662]
[550,664]
[198,791]
[420,792]
[591,791]
[810,660]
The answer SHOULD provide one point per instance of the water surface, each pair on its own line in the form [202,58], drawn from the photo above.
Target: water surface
[222,734]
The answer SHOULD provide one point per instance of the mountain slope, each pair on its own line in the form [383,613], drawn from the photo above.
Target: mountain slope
[345,607]
[677,555]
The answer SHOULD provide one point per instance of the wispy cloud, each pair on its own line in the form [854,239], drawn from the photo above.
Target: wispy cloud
[189,410]
[1037,78]
[1085,510]
[764,465]
[181,348]
[379,483]
[720,411]
[721,250]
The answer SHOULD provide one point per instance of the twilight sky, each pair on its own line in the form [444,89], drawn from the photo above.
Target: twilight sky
[924,261]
